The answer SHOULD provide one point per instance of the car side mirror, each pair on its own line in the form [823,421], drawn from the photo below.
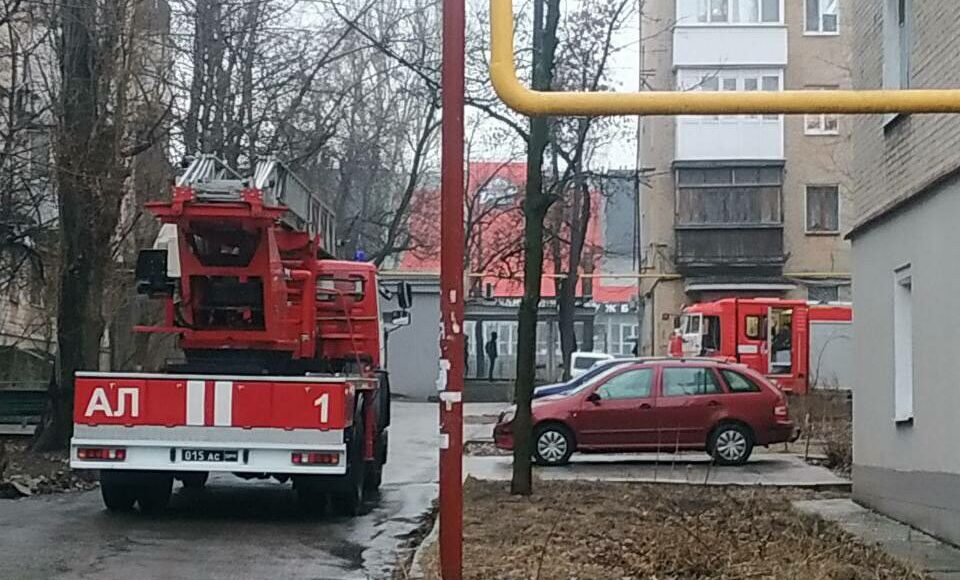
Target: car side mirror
[594,398]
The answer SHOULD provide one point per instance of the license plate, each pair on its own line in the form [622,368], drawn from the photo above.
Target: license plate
[211,455]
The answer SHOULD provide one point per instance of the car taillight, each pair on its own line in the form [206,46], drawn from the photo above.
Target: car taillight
[781,412]
[102,454]
[314,458]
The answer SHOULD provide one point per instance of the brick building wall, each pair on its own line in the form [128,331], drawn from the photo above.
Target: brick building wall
[895,160]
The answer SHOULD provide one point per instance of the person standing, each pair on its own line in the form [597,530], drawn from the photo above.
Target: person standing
[491,349]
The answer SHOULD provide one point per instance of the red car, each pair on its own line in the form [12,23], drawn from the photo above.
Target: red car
[671,404]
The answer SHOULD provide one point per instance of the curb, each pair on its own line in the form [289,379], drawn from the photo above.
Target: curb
[416,569]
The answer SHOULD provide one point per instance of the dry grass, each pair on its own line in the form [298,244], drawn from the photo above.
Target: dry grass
[599,531]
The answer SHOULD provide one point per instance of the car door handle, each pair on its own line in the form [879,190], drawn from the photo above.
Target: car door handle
[713,404]
[645,406]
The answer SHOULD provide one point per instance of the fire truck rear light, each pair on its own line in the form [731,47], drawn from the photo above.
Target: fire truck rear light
[315,458]
[102,454]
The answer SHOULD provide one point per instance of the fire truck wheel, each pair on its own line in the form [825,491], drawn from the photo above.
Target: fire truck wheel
[153,495]
[311,495]
[348,500]
[118,495]
[194,480]
[374,475]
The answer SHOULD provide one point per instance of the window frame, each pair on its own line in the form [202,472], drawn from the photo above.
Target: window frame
[835,288]
[822,117]
[761,333]
[904,362]
[717,380]
[897,41]
[730,390]
[820,13]
[682,21]
[806,214]
[651,386]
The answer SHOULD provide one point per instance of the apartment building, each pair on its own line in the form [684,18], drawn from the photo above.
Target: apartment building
[907,271]
[748,205]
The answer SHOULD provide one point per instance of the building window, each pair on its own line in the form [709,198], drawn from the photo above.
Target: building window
[903,345]
[823,209]
[823,294]
[728,11]
[729,195]
[822,17]
[498,191]
[824,123]
[730,80]
[897,42]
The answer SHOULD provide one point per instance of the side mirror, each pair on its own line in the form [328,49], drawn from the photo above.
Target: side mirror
[404,295]
[400,318]
[594,398]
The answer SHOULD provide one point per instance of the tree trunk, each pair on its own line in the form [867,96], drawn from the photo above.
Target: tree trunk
[79,323]
[567,297]
[535,208]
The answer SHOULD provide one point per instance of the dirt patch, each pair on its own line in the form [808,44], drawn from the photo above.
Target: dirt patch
[601,531]
[481,419]
[23,473]
[483,448]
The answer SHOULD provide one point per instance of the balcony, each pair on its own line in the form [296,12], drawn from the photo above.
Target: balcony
[710,247]
[729,138]
[730,45]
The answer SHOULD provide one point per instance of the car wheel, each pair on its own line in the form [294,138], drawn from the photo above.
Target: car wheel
[731,444]
[552,445]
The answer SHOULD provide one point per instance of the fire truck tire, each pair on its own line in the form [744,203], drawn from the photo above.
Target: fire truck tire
[194,480]
[311,495]
[118,495]
[153,494]
[374,475]
[348,499]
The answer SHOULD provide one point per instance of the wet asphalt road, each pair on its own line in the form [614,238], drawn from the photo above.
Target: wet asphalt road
[232,529]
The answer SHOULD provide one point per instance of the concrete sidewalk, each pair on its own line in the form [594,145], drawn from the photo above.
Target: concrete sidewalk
[941,561]
[778,470]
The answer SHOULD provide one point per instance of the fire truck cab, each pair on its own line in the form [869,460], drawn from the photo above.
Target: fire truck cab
[776,337]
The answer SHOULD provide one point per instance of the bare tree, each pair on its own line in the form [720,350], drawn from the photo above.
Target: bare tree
[582,65]
[535,206]
[105,81]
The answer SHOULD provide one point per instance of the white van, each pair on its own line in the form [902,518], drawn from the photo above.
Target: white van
[581,362]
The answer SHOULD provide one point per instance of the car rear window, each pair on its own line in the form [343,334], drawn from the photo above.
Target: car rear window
[739,383]
[689,381]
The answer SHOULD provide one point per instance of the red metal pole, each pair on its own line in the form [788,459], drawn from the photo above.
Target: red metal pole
[451,294]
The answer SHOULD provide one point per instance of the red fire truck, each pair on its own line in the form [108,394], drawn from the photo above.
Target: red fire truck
[798,345]
[280,375]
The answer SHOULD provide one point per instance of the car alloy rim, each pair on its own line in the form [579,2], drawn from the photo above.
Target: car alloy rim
[731,444]
[552,446]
